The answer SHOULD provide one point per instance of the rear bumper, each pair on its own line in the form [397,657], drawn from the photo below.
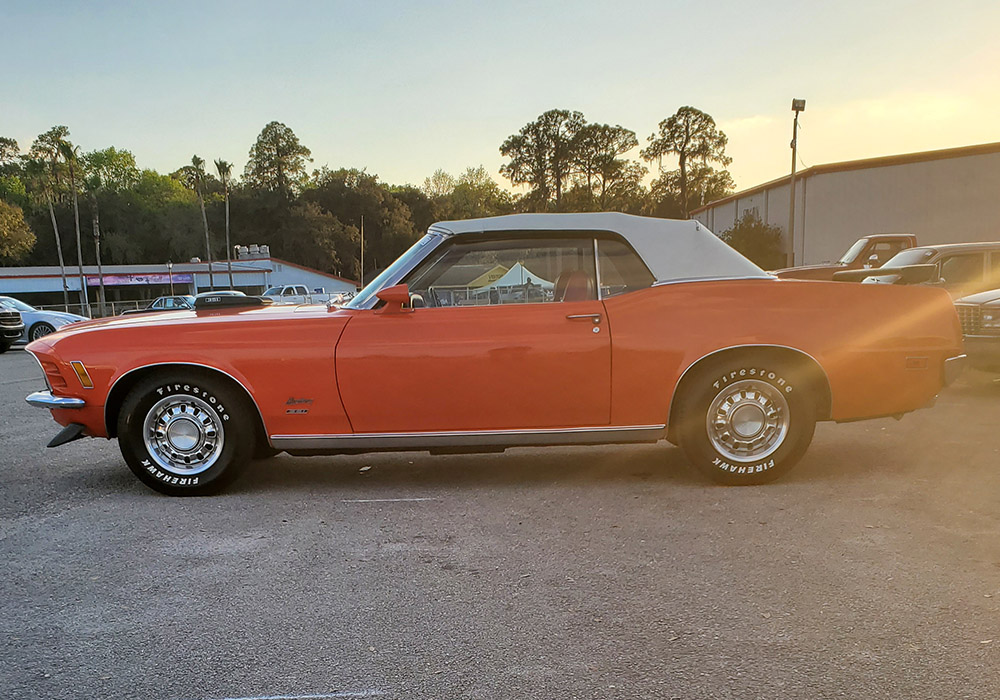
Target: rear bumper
[953,367]
[45,399]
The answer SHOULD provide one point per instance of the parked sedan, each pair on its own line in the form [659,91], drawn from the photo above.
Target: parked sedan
[531,329]
[38,323]
[980,317]
[168,303]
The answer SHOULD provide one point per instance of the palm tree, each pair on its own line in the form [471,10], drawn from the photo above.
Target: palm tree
[93,184]
[225,170]
[69,153]
[37,171]
[196,177]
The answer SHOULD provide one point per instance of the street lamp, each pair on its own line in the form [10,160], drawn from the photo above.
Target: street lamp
[797,106]
[170,276]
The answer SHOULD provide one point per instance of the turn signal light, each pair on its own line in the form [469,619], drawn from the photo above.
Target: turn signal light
[82,374]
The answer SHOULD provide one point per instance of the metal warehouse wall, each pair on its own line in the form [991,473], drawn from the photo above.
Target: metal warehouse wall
[947,200]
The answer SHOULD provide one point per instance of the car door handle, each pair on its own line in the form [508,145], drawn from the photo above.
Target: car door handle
[596,318]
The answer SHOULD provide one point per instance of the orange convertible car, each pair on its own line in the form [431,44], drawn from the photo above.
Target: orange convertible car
[532,329]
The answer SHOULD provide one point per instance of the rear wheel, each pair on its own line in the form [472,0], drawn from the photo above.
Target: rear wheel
[746,421]
[185,435]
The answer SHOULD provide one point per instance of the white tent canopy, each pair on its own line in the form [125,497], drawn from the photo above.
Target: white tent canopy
[520,275]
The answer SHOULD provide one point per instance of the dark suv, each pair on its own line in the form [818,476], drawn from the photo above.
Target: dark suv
[11,328]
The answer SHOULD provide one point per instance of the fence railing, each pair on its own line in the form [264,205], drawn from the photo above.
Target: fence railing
[110,308]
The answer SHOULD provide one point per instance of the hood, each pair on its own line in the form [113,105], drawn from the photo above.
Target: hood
[990,297]
[817,266]
[187,318]
[64,316]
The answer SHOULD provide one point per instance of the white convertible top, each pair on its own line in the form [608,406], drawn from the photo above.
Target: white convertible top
[673,250]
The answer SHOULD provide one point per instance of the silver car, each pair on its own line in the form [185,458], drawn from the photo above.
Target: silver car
[36,321]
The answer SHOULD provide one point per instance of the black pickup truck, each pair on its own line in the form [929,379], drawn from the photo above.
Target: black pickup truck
[11,328]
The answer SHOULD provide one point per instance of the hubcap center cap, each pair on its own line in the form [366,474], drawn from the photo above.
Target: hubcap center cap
[183,434]
[748,420]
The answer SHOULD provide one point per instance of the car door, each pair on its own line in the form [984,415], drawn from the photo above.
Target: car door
[505,333]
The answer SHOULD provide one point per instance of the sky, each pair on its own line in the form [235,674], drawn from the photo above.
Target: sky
[404,88]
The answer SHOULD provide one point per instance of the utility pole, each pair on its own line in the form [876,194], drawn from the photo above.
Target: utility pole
[797,106]
[362,251]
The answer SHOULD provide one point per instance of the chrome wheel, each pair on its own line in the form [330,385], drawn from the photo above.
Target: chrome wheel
[747,421]
[40,329]
[183,435]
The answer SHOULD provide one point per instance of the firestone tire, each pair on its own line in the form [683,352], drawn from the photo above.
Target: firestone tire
[185,435]
[746,422]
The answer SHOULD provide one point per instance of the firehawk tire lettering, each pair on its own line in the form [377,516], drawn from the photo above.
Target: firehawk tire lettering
[781,421]
[216,456]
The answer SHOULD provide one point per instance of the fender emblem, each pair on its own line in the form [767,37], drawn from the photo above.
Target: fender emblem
[292,401]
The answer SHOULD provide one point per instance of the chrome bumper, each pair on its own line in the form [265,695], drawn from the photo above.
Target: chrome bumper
[45,399]
[953,367]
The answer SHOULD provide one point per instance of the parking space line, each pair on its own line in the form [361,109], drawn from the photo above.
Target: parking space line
[385,500]
[319,696]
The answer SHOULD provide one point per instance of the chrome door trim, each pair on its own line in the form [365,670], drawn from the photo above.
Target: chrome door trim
[465,438]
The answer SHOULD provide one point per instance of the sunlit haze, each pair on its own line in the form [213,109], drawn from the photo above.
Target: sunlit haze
[402,89]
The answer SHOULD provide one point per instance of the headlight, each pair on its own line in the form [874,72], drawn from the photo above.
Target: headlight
[990,320]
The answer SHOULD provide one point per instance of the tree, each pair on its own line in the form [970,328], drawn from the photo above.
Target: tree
[225,170]
[541,155]
[193,177]
[756,240]
[70,155]
[277,161]
[704,184]
[39,174]
[438,185]
[10,154]
[115,168]
[597,160]
[691,135]
[16,238]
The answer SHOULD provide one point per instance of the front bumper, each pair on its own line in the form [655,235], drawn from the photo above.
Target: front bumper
[45,399]
[12,333]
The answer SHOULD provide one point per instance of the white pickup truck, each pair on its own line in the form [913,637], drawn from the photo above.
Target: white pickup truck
[300,294]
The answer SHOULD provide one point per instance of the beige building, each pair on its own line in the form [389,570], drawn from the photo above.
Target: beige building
[947,196]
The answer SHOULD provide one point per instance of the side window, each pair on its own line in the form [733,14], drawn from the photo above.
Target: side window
[885,250]
[288,292]
[302,291]
[158,304]
[621,270]
[529,270]
[962,269]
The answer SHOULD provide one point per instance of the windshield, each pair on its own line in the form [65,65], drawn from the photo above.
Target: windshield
[853,252]
[912,256]
[403,263]
[16,304]
[273,291]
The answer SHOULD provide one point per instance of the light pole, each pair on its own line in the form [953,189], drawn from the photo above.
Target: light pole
[170,276]
[797,106]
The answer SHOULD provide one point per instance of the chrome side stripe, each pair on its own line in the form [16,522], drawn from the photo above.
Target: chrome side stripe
[462,438]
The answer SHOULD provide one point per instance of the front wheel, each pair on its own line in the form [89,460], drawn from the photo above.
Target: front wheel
[185,435]
[39,330]
[745,423]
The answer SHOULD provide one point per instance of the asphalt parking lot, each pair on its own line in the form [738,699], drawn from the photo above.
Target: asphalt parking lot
[871,571]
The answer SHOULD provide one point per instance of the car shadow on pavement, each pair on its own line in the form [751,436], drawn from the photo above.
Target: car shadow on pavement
[388,471]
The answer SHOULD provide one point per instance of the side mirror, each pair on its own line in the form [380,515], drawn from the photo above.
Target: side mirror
[396,298]
[873,261]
